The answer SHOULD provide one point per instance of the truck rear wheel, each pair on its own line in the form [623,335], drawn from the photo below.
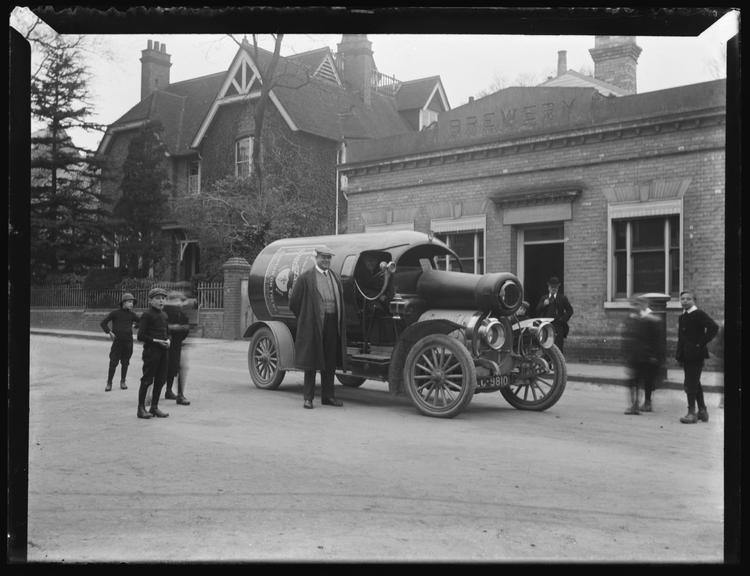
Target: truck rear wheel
[439,376]
[540,382]
[263,360]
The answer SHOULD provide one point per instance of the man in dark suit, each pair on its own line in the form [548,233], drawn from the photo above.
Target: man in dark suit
[320,342]
[556,305]
[695,330]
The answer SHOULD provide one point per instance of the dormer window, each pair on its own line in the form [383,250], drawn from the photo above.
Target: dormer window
[243,154]
[427,117]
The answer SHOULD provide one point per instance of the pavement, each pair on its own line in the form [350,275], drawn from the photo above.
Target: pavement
[598,374]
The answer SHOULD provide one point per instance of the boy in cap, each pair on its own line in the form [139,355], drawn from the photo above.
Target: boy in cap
[153,331]
[643,350]
[121,333]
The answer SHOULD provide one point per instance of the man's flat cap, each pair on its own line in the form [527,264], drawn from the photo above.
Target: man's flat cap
[323,250]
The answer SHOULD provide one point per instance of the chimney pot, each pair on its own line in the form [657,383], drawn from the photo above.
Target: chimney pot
[471,99]
[562,62]
[156,46]
[163,47]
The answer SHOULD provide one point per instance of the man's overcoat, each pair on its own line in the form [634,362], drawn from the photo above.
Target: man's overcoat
[304,301]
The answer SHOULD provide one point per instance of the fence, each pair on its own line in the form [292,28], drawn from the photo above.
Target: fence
[210,295]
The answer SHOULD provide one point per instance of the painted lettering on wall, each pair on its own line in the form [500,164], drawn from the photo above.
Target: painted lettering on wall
[511,118]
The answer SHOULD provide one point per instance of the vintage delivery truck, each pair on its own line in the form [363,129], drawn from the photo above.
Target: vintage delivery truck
[414,320]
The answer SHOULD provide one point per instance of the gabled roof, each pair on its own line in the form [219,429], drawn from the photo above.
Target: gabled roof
[310,103]
[572,79]
[416,94]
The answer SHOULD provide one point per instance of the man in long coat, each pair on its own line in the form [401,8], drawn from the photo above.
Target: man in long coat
[320,342]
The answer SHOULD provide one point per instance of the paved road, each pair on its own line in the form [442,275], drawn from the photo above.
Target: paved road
[247,474]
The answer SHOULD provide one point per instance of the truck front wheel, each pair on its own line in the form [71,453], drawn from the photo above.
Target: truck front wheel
[439,376]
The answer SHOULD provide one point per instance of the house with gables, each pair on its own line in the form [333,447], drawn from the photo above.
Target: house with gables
[613,191]
[321,102]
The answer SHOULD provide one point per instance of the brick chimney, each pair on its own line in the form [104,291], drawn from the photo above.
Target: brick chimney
[356,64]
[562,62]
[615,61]
[155,66]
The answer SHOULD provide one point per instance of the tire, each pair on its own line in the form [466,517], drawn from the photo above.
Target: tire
[263,360]
[350,381]
[543,383]
[439,376]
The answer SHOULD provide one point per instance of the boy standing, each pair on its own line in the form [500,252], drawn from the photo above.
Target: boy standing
[695,330]
[153,331]
[123,319]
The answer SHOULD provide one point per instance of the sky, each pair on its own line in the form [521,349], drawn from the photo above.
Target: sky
[467,64]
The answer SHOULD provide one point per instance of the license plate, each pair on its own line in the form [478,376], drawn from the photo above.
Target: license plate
[497,381]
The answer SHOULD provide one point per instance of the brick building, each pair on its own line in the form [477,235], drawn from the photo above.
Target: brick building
[612,191]
[320,102]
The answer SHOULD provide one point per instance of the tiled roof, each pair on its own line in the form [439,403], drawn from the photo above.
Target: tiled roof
[574,79]
[591,109]
[414,93]
[316,106]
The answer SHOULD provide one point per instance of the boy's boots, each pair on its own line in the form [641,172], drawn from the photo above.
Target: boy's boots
[169,395]
[690,417]
[702,415]
[108,387]
[142,413]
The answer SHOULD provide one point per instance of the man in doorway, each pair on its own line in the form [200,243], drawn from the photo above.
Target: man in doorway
[556,305]
[317,301]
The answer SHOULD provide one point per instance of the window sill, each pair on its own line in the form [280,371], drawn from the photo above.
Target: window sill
[625,305]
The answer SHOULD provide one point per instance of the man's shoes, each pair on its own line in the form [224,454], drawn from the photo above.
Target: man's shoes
[689,418]
[142,413]
[158,413]
[703,415]
[332,402]
[308,404]
[108,387]
[169,395]
[633,410]
[123,386]
[646,406]
[183,401]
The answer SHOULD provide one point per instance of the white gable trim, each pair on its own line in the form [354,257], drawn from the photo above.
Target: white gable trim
[241,57]
[121,128]
[439,89]
[332,65]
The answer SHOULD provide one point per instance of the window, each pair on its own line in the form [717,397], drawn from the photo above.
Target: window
[243,154]
[469,246]
[646,255]
[427,117]
[194,177]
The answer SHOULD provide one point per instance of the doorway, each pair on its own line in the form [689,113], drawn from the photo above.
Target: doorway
[543,256]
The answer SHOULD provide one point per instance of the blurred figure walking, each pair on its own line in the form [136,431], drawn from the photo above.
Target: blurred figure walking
[643,351]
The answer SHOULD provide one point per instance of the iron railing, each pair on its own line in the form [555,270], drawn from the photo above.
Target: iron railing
[210,295]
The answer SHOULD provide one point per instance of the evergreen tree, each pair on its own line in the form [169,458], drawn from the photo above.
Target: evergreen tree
[67,215]
[143,204]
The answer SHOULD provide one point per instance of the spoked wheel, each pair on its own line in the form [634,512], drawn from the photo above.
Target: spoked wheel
[350,381]
[539,382]
[263,360]
[439,376]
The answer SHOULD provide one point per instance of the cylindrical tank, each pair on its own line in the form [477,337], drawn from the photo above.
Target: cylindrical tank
[499,292]
[274,270]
